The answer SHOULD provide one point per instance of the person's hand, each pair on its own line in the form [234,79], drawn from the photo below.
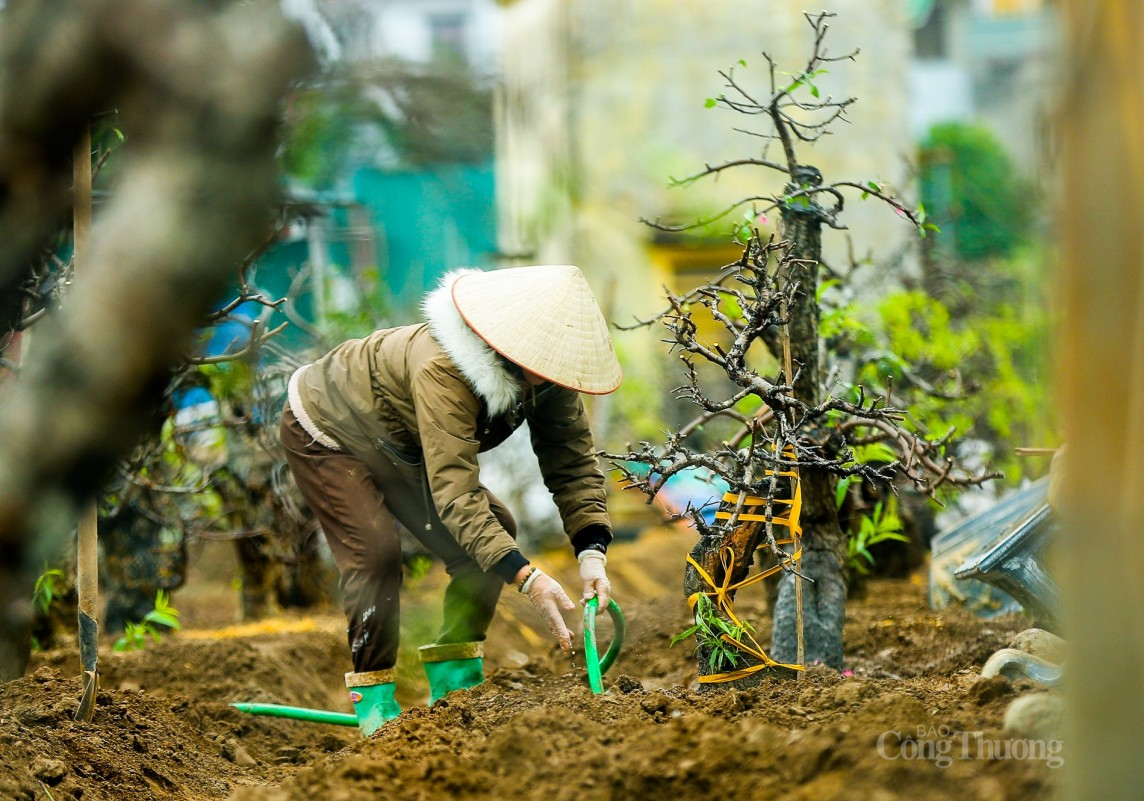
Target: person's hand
[549,598]
[596,584]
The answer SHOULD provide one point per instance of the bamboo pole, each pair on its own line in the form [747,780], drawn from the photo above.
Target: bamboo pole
[788,368]
[598,404]
[87,545]
[1034,451]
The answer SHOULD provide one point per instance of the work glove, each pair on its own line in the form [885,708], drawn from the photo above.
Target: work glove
[549,598]
[596,584]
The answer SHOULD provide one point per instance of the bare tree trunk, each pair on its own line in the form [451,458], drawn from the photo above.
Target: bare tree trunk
[1101,342]
[201,94]
[818,442]
[824,544]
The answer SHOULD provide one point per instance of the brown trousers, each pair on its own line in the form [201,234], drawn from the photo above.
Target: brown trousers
[359,508]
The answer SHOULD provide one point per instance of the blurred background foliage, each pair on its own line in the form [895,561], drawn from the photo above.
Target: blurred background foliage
[389,112]
[973,191]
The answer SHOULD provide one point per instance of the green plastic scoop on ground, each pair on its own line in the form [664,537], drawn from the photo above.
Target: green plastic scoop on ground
[597,667]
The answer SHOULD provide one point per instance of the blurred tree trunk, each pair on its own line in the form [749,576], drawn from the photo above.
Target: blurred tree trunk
[200,92]
[824,543]
[1102,391]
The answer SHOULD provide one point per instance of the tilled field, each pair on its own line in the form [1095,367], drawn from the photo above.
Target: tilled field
[163,727]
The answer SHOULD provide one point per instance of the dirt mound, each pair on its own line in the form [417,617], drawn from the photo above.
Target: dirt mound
[163,727]
[549,737]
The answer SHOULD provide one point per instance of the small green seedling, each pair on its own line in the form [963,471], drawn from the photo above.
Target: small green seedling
[710,628]
[135,635]
[882,525]
[418,566]
[47,589]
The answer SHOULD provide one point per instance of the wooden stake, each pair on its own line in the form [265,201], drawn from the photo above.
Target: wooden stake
[1034,451]
[598,404]
[797,544]
[87,546]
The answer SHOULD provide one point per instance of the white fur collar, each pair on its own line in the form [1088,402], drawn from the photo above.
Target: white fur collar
[484,370]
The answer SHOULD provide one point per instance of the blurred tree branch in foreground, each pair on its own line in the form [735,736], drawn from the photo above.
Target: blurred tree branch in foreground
[201,88]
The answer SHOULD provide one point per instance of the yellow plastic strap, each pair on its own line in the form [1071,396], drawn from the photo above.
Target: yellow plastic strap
[750,517]
[756,652]
[722,597]
[791,520]
[722,593]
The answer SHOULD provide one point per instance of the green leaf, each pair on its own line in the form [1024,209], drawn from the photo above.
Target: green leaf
[875,452]
[825,285]
[743,61]
[892,535]
[814,90]
[683,635]
[840,491]
[162,618]
[725,626]
[45,590]
[418,566]
[132,638]
[711,103]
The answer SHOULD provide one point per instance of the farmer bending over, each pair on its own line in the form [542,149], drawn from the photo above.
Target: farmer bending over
[388,428]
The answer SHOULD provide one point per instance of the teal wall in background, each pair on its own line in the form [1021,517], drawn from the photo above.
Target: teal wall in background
[428,222]
[421,223]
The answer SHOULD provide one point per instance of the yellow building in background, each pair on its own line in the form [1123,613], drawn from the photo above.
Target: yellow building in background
[1003,7]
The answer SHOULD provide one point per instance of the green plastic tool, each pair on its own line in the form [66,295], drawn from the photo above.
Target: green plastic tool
[299,713]
[597,667]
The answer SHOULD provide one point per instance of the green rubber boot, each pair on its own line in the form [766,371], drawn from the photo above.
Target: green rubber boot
[372,696]
[455,666]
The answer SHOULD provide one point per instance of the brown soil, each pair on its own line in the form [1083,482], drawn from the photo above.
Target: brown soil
[163,727]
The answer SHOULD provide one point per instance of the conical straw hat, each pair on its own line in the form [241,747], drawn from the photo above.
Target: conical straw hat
[544,319]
